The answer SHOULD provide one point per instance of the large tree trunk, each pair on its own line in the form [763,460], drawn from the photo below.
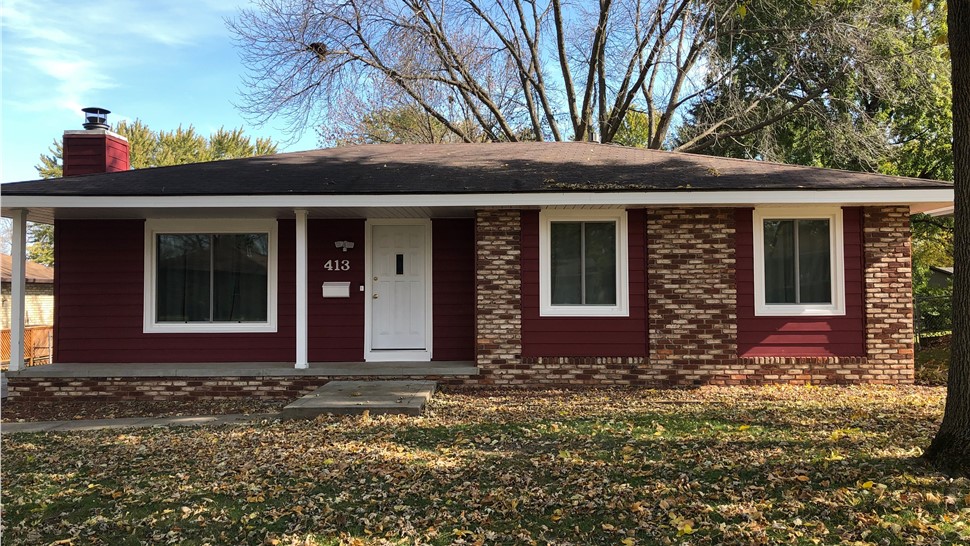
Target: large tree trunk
[950,450]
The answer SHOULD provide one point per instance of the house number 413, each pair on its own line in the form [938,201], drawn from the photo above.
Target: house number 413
[337,265]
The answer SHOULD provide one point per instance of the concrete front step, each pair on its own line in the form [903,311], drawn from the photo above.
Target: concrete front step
[356,397]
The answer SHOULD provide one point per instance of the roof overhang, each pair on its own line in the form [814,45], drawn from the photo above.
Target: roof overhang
[45,208]
[942,211]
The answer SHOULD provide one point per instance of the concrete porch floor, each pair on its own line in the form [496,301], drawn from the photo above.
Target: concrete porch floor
[252,369]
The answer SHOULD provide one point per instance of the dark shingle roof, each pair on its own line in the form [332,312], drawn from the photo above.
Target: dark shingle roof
[463,168]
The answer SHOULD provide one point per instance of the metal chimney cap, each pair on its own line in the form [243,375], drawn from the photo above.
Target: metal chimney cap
[95,117]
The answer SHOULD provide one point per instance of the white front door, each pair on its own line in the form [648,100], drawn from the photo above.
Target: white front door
[399,287]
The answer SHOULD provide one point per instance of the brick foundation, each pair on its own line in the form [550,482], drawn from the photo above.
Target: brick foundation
[31,389]
[623,371]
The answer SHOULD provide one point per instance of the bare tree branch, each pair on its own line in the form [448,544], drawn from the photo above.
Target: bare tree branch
[505,69]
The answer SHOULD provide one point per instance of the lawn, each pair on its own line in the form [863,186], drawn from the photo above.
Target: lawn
[792,465]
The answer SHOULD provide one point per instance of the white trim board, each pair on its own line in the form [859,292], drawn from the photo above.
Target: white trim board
[302,300]
[622,306]
[153,227]
[836,262]
[537,199]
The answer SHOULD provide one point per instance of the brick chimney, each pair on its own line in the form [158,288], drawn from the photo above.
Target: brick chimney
[95,149]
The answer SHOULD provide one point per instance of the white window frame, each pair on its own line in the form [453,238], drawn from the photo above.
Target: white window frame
[837,261]
[154,227]
[546,308]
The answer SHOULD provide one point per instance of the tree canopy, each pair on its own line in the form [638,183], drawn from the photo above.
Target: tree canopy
[148,148]
[888,112]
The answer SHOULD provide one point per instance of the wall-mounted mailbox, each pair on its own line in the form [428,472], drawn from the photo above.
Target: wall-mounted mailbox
[336,289]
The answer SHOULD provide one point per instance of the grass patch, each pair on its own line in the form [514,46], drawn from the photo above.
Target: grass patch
[799,465]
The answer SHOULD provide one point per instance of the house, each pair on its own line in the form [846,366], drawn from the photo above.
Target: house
[38,312]
[39,293]
[940,277]
[514,264]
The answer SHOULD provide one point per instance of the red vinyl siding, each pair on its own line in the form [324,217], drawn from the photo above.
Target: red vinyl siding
[453,290]
[98,302]
[94,153]
[116,155]
[808,336]
[98,294]
[335,325]
[583,336]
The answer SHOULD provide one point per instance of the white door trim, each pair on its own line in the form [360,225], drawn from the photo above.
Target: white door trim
[419,355]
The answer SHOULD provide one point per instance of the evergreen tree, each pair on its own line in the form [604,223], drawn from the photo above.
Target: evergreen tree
[147,148]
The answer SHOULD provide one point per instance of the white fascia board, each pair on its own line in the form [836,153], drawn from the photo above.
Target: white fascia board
[537,199]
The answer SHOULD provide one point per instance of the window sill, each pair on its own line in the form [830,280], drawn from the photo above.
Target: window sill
[583,311]
[226,328]
[797,311]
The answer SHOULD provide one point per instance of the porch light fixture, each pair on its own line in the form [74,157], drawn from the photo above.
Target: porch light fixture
[345,245]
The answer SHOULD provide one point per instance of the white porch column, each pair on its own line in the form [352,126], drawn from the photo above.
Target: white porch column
[301,289]
[18,252]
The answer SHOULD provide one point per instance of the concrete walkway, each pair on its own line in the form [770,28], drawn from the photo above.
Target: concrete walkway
[136,422]
[356,397]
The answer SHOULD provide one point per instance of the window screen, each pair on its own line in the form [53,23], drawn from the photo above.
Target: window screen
[583,263]
[798,261]
[219,277]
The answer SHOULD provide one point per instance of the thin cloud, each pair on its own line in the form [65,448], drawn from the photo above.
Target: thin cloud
[56,53]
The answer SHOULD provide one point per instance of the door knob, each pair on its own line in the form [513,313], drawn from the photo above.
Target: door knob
[375,296]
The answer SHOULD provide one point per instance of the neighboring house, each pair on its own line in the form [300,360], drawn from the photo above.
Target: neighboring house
[940,277]
[516,264]
[39,283]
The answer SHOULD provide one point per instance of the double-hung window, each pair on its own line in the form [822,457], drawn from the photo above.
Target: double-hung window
[799,262]
[583,263]
[210,276]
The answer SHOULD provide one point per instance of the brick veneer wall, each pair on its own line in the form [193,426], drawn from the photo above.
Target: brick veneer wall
[498,293]
[692,295]
[692,305]
[889,295]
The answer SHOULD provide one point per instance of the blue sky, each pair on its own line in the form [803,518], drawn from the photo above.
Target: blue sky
[168,63]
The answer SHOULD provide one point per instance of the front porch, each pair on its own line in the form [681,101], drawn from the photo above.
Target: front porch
[170,381]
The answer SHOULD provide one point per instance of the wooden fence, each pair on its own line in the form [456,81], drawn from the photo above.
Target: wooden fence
[38,346]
